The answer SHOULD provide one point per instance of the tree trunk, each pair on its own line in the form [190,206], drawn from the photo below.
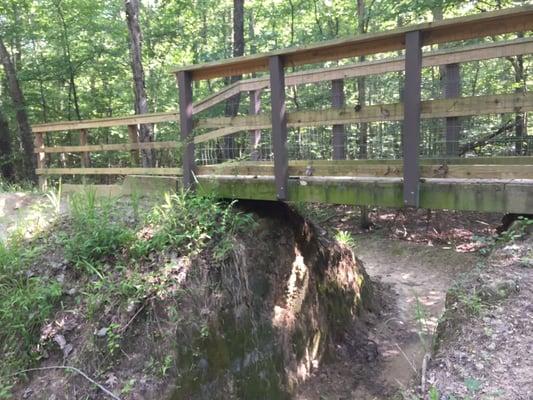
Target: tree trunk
[361,83]
[520,126]
[6,160]
[361,98]
[232,105]
[19,103]
[141,103]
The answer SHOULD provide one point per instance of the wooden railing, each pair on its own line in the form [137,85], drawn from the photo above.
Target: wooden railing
[410,111]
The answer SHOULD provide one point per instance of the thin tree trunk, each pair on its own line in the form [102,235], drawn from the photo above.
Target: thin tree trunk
[141,103]
[232,105]
[19,103]
[6,154]
[361,93]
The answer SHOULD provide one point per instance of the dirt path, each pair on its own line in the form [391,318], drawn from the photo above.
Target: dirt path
[414,280]
[28,211]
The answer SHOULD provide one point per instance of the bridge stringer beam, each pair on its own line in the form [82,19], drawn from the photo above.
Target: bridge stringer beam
[411,123]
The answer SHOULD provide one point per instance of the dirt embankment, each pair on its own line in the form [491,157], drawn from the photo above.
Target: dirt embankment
[484,341]
[250,327]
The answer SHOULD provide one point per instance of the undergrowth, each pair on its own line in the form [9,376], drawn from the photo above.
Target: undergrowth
[113,256]
[26,302]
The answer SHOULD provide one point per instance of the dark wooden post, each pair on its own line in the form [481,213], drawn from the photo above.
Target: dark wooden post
[255,135]
[41,159]
[279,126]
[338,140]
[133,136]
[186,126]
[411,124]
[452,88]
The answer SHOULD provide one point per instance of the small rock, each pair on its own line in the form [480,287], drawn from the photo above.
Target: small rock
[492,346]
[71,291]
[101,332]
[479,366]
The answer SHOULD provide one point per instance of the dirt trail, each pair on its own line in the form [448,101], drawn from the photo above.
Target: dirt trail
[414,280]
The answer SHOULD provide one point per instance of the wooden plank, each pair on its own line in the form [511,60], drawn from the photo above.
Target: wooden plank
[186,127]
[519,19]
[435,170]
[109,147]
[108,171]
[440,108]
[279,126]
[153,118]
[505,196]
[218,133]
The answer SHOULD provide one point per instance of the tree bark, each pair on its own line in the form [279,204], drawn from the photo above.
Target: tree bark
[141,102]
[232,105]
[17,97]
[6,153]
[362,21]
[361,83]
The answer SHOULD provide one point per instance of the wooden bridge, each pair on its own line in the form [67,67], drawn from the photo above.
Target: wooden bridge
[450,181]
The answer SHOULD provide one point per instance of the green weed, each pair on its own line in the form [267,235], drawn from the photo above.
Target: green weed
[345,238]
[26,302]
[187,223]
[95,236]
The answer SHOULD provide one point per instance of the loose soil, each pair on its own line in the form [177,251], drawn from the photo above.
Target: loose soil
[413,279]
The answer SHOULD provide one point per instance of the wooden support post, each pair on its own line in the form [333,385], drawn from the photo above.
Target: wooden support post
[338,140]
[279,126]
[186,126]
[255,135]
[452,88]
[411,127]
[133,136]
[41,160]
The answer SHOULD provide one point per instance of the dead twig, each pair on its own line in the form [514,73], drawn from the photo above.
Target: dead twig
[79,372]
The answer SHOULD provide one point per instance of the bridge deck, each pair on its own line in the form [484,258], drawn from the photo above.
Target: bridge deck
[485,195]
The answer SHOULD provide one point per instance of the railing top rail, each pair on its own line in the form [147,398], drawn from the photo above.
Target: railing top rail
[519,19]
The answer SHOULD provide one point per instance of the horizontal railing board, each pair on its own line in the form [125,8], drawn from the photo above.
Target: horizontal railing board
[519,19]
[440,108]
[108,171]
[466,171]
[108,147]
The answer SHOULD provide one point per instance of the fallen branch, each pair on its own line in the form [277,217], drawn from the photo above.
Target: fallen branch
[480,142]
[102,388]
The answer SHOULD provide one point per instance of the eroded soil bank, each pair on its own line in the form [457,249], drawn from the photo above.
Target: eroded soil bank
[250,325]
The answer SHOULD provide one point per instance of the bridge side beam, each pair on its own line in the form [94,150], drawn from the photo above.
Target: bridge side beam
[279,126]
[186,127]
[411,124]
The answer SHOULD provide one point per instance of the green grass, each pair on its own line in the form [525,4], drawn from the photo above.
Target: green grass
[106,247]
[25,304]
